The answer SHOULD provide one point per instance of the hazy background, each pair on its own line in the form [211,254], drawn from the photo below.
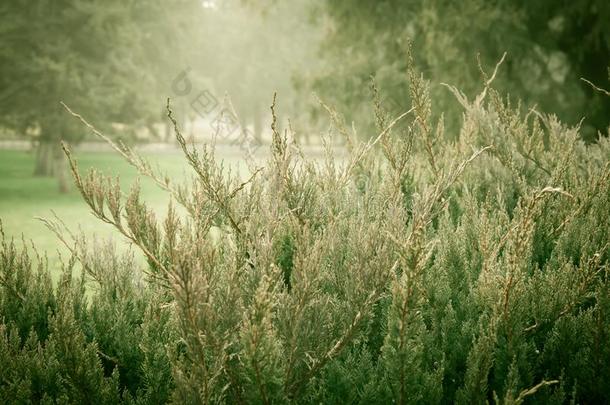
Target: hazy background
[116,62]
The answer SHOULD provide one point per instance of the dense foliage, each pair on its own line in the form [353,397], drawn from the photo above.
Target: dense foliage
[551,44]
[418,270]
[103,58]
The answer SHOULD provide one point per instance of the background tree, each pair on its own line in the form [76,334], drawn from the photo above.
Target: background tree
[550,45]
[102,59]
[253,49]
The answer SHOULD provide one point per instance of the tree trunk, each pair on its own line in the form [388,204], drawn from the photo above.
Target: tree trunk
[50,161]
[44,159]
[62,174]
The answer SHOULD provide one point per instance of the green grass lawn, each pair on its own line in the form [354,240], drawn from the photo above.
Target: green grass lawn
[24,197]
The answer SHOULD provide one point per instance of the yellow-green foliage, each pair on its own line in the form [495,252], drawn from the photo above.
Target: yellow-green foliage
[417,270]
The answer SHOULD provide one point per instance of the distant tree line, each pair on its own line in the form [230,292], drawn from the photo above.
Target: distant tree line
[103,59]
[114,61]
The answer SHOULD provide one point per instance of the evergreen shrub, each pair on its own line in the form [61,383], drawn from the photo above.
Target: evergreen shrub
[417,270]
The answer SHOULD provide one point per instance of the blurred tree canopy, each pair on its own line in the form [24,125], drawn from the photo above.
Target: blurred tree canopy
[550,44]
[250,50]
[103,59]
[116,61]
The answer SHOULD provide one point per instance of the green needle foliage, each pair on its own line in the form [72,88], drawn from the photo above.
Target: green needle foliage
[418,270]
